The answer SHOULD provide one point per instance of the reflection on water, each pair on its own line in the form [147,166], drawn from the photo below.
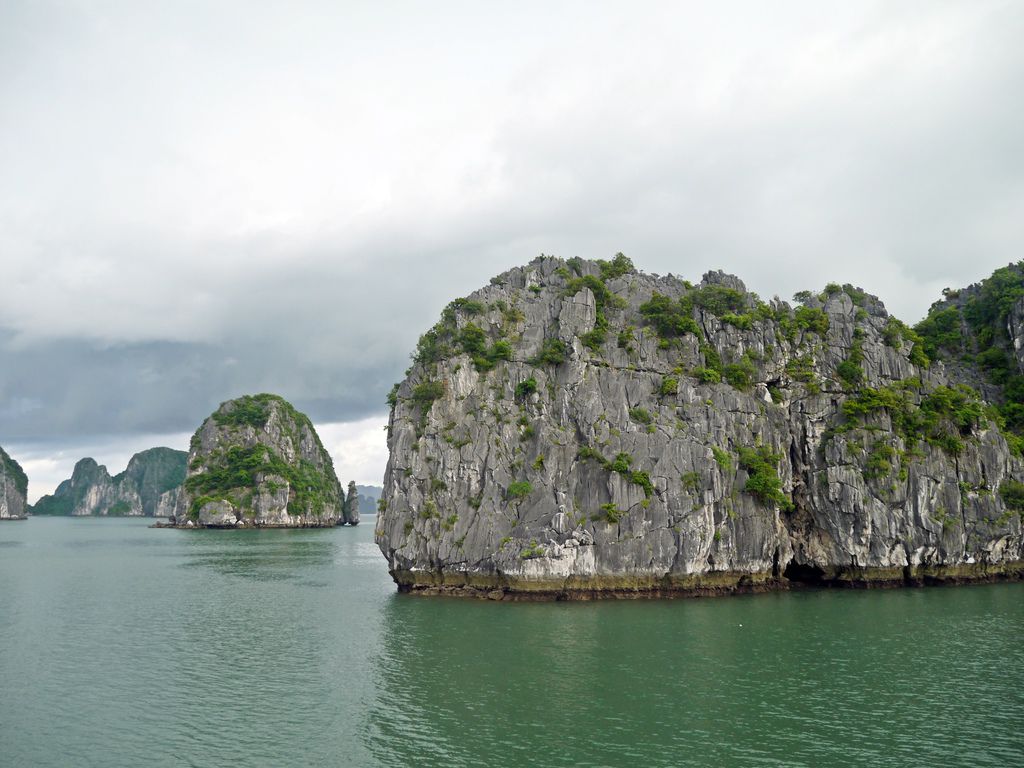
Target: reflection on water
[819,678]
[262,555]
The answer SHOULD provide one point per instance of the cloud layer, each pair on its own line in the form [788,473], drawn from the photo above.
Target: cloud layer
[201,200]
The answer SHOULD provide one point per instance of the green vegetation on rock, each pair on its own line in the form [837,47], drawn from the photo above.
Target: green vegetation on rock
[620,265]
[610,514]
[879,462]
[670,319]
[525,388]
[446,339]
[763,482]
[119,509]
[811,319]
[13,469]
[944,417]
[1012,494]
[850,371]
[740,375]
[552,352]
[519,489]
[246,411]
[941,332]
[233,468]
[473,342]
[641,415]
[603,298]
[971,325]
[233,474]
[621,464]
[722,458]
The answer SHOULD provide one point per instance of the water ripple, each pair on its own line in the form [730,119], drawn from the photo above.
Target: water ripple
[126,646]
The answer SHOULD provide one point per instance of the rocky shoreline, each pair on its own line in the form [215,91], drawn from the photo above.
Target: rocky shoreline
[240,525]
[705,585]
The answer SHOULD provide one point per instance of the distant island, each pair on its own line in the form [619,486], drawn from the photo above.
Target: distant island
[369,497]
[151,484]
[257,461]
[148,487]
[582,429]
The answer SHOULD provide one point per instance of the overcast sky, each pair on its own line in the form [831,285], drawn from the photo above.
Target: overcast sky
[204,199]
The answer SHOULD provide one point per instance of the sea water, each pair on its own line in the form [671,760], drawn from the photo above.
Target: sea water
[123,645]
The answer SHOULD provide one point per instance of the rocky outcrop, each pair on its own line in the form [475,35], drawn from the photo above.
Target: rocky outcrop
[581,429]
[149,486]
[351,510]
[256,461]
[13,488]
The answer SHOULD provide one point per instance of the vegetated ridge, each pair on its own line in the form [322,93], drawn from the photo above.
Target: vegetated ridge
[580,428]
[149,486]
[257,461]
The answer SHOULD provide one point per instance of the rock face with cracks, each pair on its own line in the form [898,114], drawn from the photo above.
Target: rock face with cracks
[580,429]
[256,461]
[13,488]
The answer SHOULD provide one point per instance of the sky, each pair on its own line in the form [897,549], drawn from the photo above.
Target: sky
[206,198]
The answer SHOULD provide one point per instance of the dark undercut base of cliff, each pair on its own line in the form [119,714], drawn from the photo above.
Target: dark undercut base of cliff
[711,584]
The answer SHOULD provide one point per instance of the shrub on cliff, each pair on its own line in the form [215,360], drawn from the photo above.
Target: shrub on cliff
[763,482]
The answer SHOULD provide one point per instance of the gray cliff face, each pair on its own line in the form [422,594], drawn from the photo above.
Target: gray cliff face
[157,474]
[151,482]
[257,461]
[13,488]
[711,442]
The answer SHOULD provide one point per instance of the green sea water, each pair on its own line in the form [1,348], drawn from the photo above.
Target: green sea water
[122,645]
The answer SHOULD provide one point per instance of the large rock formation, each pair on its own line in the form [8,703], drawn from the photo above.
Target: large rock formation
[13,487]
[149,486]
[258,461]
[579,428]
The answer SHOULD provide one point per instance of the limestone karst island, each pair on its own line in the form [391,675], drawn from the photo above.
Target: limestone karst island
[256,461]
[148,487]
[580,428]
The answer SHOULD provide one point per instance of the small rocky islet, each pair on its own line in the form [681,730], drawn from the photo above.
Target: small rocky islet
[258,462]
[581,429]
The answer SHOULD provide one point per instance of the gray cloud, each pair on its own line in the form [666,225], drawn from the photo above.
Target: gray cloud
[200,201]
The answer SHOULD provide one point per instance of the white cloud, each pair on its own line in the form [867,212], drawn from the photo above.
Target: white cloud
[358,448]
[300,188]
